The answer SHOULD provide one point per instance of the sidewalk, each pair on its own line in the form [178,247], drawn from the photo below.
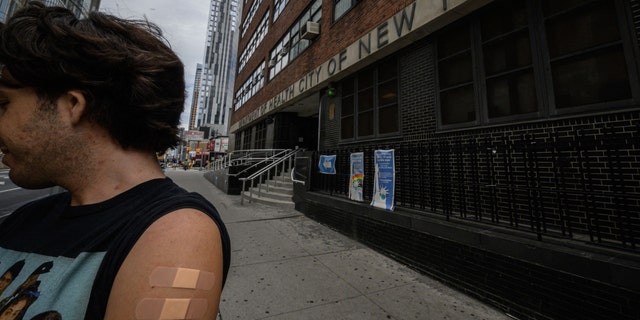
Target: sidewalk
[287,266]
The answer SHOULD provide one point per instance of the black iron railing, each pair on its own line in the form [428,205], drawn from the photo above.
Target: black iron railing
[582,184]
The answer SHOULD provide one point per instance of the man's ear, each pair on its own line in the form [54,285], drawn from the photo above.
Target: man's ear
[76,104]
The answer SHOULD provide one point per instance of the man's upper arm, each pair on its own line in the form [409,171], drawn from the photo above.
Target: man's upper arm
[186,241]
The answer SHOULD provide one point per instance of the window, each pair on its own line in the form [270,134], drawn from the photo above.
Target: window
[340,7]
[493,68]
[246,139]
[587,67]
[250,87]
[508,62]
[387,98]
[291,45]
[261,135]
[254,42]
[238,141]
[455,73]
[278,7]
[3,9]
[250,15]
[370,102]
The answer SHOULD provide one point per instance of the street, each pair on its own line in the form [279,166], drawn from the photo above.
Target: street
[12,197]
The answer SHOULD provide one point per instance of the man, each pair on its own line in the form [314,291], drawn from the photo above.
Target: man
[86,105]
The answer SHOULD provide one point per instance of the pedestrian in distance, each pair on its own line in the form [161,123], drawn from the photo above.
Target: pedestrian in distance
[78,98]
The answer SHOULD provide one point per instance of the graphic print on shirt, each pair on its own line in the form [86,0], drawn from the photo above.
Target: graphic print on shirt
[36,287]
[16,305]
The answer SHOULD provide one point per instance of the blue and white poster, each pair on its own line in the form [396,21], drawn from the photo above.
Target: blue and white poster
[357,176]
[384,179]
[327,164]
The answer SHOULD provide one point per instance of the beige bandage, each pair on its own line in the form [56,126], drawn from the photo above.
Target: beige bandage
[181,278]
[171,309]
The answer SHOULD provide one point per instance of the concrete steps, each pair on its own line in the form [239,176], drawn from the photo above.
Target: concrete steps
[274,192]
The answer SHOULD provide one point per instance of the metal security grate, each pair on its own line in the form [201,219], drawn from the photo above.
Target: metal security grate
[580,182]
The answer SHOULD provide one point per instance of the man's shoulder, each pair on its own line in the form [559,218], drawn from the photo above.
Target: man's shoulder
[161,196]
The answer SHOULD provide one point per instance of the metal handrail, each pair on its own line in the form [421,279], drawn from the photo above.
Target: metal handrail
[244,156]
[294,179]
[260,173]
[270,166]
[303,182]
[259,163]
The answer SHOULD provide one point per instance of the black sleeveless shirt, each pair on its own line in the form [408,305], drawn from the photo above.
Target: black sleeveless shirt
[63,259]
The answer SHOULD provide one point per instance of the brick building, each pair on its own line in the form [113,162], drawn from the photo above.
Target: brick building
[515,127]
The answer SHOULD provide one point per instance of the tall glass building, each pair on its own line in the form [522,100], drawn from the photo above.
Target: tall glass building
[219,66]
[79,7]
[195,97]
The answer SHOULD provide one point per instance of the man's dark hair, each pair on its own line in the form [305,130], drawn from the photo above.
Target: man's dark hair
[132,80]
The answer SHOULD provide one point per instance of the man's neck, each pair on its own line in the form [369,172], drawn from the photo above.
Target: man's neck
[109,175]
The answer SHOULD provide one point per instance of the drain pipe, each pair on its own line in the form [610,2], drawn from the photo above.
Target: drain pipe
[320,120]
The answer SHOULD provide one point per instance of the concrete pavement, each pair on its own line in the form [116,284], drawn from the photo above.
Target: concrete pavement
[287,266]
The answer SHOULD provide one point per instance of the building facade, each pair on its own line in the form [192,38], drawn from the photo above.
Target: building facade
[218,68]
[514,125]
[195,97]
[79,7]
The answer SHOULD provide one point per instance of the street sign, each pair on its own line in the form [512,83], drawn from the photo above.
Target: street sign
[193,135]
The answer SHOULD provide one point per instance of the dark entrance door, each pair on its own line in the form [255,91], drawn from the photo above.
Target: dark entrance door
[291,131]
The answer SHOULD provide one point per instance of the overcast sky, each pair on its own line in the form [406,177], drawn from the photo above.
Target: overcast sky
[184,24]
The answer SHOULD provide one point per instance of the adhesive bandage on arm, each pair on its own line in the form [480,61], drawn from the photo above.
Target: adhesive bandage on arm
[160,309]
[182,278]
